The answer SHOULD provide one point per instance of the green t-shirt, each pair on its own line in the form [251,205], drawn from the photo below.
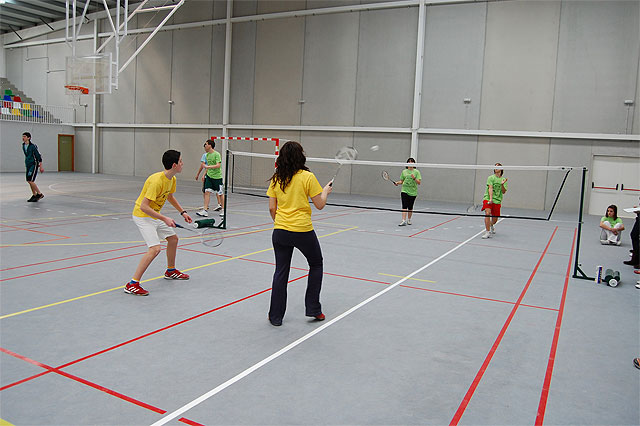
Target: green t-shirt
[214,158]
[611,221]
[496,182]
[409,185]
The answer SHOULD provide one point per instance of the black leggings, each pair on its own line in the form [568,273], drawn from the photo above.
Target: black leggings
[283,244]
[407,200]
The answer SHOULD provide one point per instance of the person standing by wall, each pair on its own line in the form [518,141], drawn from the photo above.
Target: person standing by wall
[33,163]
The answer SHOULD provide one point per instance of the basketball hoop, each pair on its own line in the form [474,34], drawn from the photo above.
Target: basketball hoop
[83,90]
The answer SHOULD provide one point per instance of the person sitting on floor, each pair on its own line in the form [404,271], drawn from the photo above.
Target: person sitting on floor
[612,226]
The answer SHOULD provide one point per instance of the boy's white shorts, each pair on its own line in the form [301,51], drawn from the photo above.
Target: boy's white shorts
[153,230]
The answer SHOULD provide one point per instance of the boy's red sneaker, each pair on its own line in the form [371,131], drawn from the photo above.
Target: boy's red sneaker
[175,275]
[135,289]
[320,317]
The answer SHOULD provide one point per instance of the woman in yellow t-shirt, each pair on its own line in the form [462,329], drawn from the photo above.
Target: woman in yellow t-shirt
[289,191]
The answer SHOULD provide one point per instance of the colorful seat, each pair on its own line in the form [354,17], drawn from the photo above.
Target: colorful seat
[7,98]
[17,99]
[15,111]
[5,110]
[8,92]
[26,106]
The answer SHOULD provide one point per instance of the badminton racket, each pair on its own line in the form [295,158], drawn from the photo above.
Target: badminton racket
[385,176]
[346,153]
[210,237]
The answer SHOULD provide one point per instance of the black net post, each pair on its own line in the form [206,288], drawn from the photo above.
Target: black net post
[577,271]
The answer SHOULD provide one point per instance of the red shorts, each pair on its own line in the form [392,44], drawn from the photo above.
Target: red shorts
[495,208]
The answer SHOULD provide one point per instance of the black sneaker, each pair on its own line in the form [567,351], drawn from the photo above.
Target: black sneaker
[40,197]
[32,199]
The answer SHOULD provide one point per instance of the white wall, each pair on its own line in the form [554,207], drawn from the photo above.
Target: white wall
[561,66]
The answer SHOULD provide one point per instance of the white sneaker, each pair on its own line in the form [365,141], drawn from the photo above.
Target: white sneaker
[486,235]
[403,223]
[618,242]
[409,222]
[604,242]
[492,230]
[218,208]
[203,213]
[638,284]
[221,214]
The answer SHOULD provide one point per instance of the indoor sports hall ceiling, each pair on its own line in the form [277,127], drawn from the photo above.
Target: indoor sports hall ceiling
[19,14]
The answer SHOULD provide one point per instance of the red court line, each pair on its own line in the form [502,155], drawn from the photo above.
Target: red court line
[465,401]
[542,406]
[477,297]
[148,334]
[93,385]
[86,382]
[31,230]
[70,267]
[435,226]
[72,257]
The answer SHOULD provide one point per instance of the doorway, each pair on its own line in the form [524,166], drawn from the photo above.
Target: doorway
[65,153]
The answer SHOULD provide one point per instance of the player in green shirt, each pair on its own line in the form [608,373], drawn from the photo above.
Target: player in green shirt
[409,179]
[496,187]
[212,179]
[612,226]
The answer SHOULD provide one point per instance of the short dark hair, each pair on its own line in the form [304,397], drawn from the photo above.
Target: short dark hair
[211,142]
[27,134]
[169,158]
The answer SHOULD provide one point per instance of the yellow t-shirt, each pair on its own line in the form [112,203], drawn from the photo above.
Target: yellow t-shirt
[294,212]
[156,188]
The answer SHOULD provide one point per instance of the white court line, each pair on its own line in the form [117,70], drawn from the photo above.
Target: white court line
[292,345]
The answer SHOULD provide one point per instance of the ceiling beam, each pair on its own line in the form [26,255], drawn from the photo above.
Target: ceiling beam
[13,5]
[19,15]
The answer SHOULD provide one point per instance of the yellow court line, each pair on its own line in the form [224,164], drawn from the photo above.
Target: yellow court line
[400,276]
[156,278]
[119,242]
[5,423]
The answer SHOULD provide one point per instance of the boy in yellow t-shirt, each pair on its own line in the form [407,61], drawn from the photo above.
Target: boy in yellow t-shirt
[154,226]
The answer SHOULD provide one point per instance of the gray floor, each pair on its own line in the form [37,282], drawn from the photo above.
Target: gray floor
[468,338]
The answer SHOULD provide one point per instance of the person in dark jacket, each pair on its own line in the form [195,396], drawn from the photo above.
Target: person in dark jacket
[33,163]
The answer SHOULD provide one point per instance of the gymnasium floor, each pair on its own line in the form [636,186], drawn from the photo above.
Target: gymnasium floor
[426,324]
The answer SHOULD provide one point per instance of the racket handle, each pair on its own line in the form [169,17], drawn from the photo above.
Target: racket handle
[179,226]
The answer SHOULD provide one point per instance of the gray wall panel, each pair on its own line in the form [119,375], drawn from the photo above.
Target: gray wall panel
[278,73]
[34,86]
[242,73]
[150,144]
[317,4]
[194,11]
[82,150]
[43,135]
[245,8]
[191,75]
[453,54]
[394,147]
[14,65]
[216,97]
[440,184]
[386,66]
[274,6]
[323,145]
[330,64]
[568,152]
[519,65]
[597,65]
[117,152]
[189,143]
[526,189]
[153,79]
